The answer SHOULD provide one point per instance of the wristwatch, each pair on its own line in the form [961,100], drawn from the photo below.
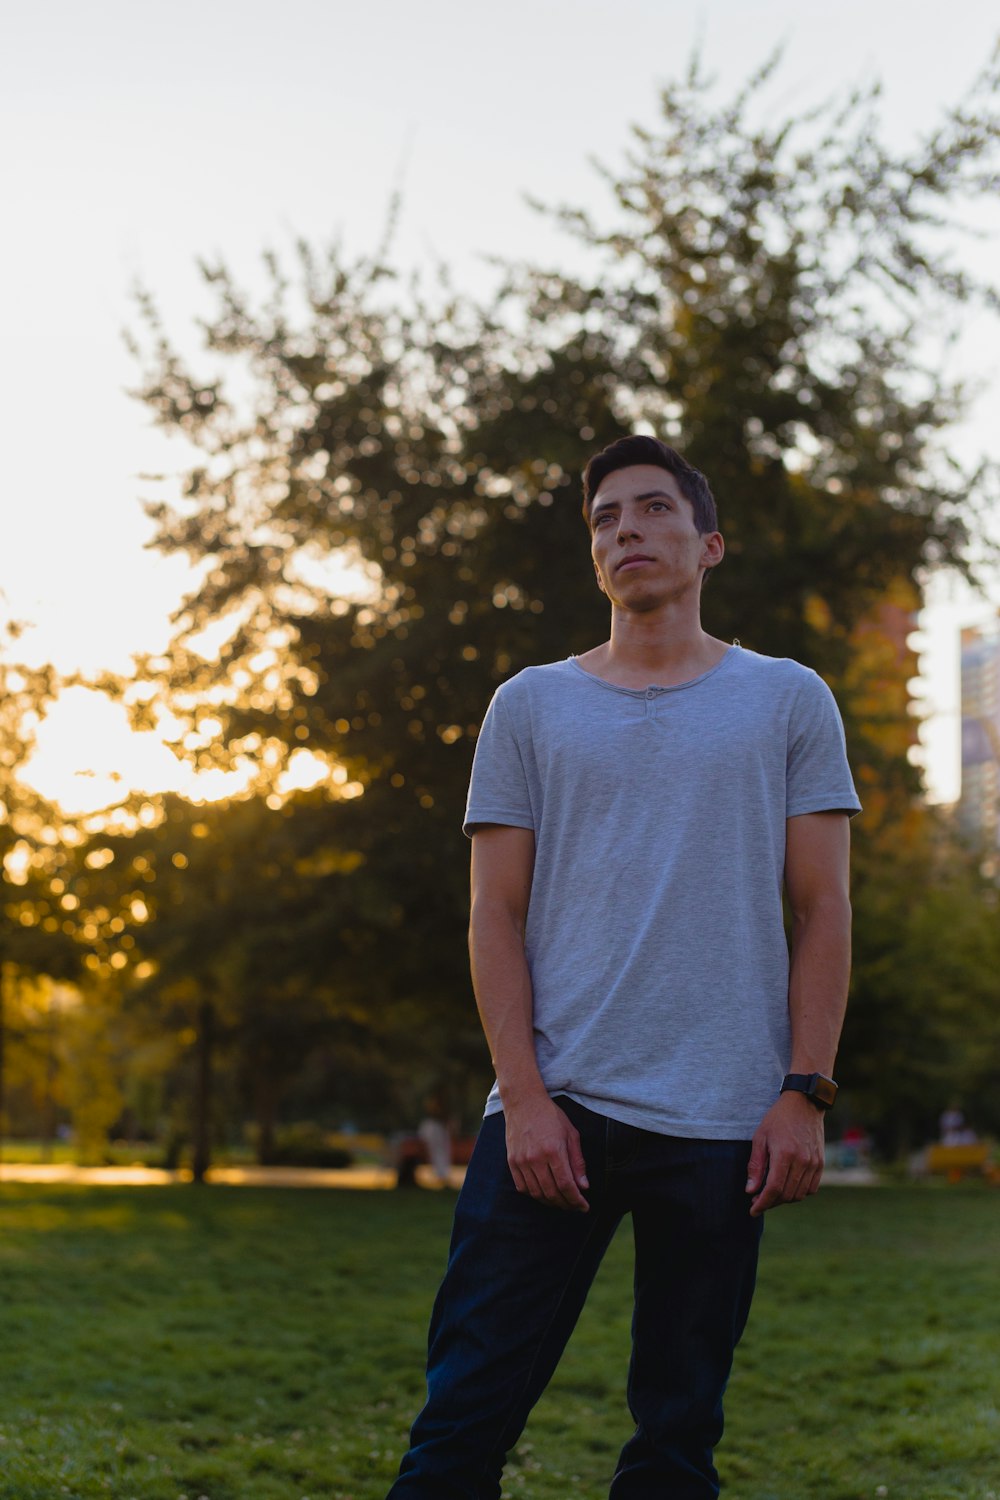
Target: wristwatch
[819,1090]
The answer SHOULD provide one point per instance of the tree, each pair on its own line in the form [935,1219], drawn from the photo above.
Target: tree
[922,1030]
[388,690]
[763,302]
[34,924]
[211,920]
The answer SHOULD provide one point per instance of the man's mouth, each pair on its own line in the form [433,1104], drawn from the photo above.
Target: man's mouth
[633,561]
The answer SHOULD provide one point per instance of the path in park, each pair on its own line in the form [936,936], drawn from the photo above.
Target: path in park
[137,1175]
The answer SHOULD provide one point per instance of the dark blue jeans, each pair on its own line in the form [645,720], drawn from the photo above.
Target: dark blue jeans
[518,1275]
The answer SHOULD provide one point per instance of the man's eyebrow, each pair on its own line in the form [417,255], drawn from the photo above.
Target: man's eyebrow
[646,495]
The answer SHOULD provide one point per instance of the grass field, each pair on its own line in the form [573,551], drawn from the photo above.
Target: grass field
[242,1344]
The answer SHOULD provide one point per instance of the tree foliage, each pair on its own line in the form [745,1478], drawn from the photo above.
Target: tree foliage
[767,299]
[35,929]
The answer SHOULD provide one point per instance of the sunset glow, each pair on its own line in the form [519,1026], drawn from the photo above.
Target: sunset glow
[75,563]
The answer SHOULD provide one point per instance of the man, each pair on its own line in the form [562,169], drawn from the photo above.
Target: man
[633,814]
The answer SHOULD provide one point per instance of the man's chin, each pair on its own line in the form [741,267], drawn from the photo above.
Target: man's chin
[640,601]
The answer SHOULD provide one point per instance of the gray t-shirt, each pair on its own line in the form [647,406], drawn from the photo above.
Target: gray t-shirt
[654,934]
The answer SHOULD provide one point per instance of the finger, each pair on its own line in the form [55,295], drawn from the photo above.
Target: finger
[757,1166]
[535,1180]
[797,1180]
[809,1177]
[562,1180]
[773,1190]
[528,1181]
[769,1198]
[537,1185]
[576,1162]
[565,1193]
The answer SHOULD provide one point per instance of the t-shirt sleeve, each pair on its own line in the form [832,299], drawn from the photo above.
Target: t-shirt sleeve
[818,778]
[498,790]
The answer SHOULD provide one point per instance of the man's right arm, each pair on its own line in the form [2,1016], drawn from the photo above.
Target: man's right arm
[543,1147]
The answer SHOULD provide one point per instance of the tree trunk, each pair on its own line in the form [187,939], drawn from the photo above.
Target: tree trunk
[203,1091]
[49,1101]
[267,1108]
[3,1037]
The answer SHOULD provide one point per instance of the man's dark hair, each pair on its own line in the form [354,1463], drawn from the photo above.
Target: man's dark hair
[639,449]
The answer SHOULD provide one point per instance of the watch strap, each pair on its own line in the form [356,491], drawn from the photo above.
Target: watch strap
[818,1089]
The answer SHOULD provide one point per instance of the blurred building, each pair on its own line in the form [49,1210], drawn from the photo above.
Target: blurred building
[876,698]
[979,804]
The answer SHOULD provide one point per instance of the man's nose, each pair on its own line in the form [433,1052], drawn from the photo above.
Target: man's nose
[628,528]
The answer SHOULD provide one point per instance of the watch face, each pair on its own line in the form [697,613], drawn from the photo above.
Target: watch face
[823,1089]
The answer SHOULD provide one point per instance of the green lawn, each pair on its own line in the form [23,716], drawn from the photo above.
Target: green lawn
[242,1344]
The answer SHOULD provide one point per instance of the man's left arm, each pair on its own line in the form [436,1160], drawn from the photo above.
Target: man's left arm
[786,1162]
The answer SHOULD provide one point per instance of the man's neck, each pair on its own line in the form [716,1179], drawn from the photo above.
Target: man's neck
[647,650]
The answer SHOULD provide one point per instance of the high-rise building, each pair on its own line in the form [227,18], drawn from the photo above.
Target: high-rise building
[979,805]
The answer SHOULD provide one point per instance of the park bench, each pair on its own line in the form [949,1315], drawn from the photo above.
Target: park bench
[410,1152]
[955,1161]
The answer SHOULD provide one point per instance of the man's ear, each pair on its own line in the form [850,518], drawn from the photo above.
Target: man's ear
[600,580]
[713,549]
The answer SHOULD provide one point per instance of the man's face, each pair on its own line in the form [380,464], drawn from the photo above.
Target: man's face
[645,545]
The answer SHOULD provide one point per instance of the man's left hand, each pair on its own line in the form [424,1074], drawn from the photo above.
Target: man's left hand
[786,1160]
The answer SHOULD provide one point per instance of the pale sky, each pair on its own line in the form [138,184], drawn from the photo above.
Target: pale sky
[140,137]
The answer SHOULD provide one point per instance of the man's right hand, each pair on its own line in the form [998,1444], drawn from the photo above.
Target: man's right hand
[545,1156]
